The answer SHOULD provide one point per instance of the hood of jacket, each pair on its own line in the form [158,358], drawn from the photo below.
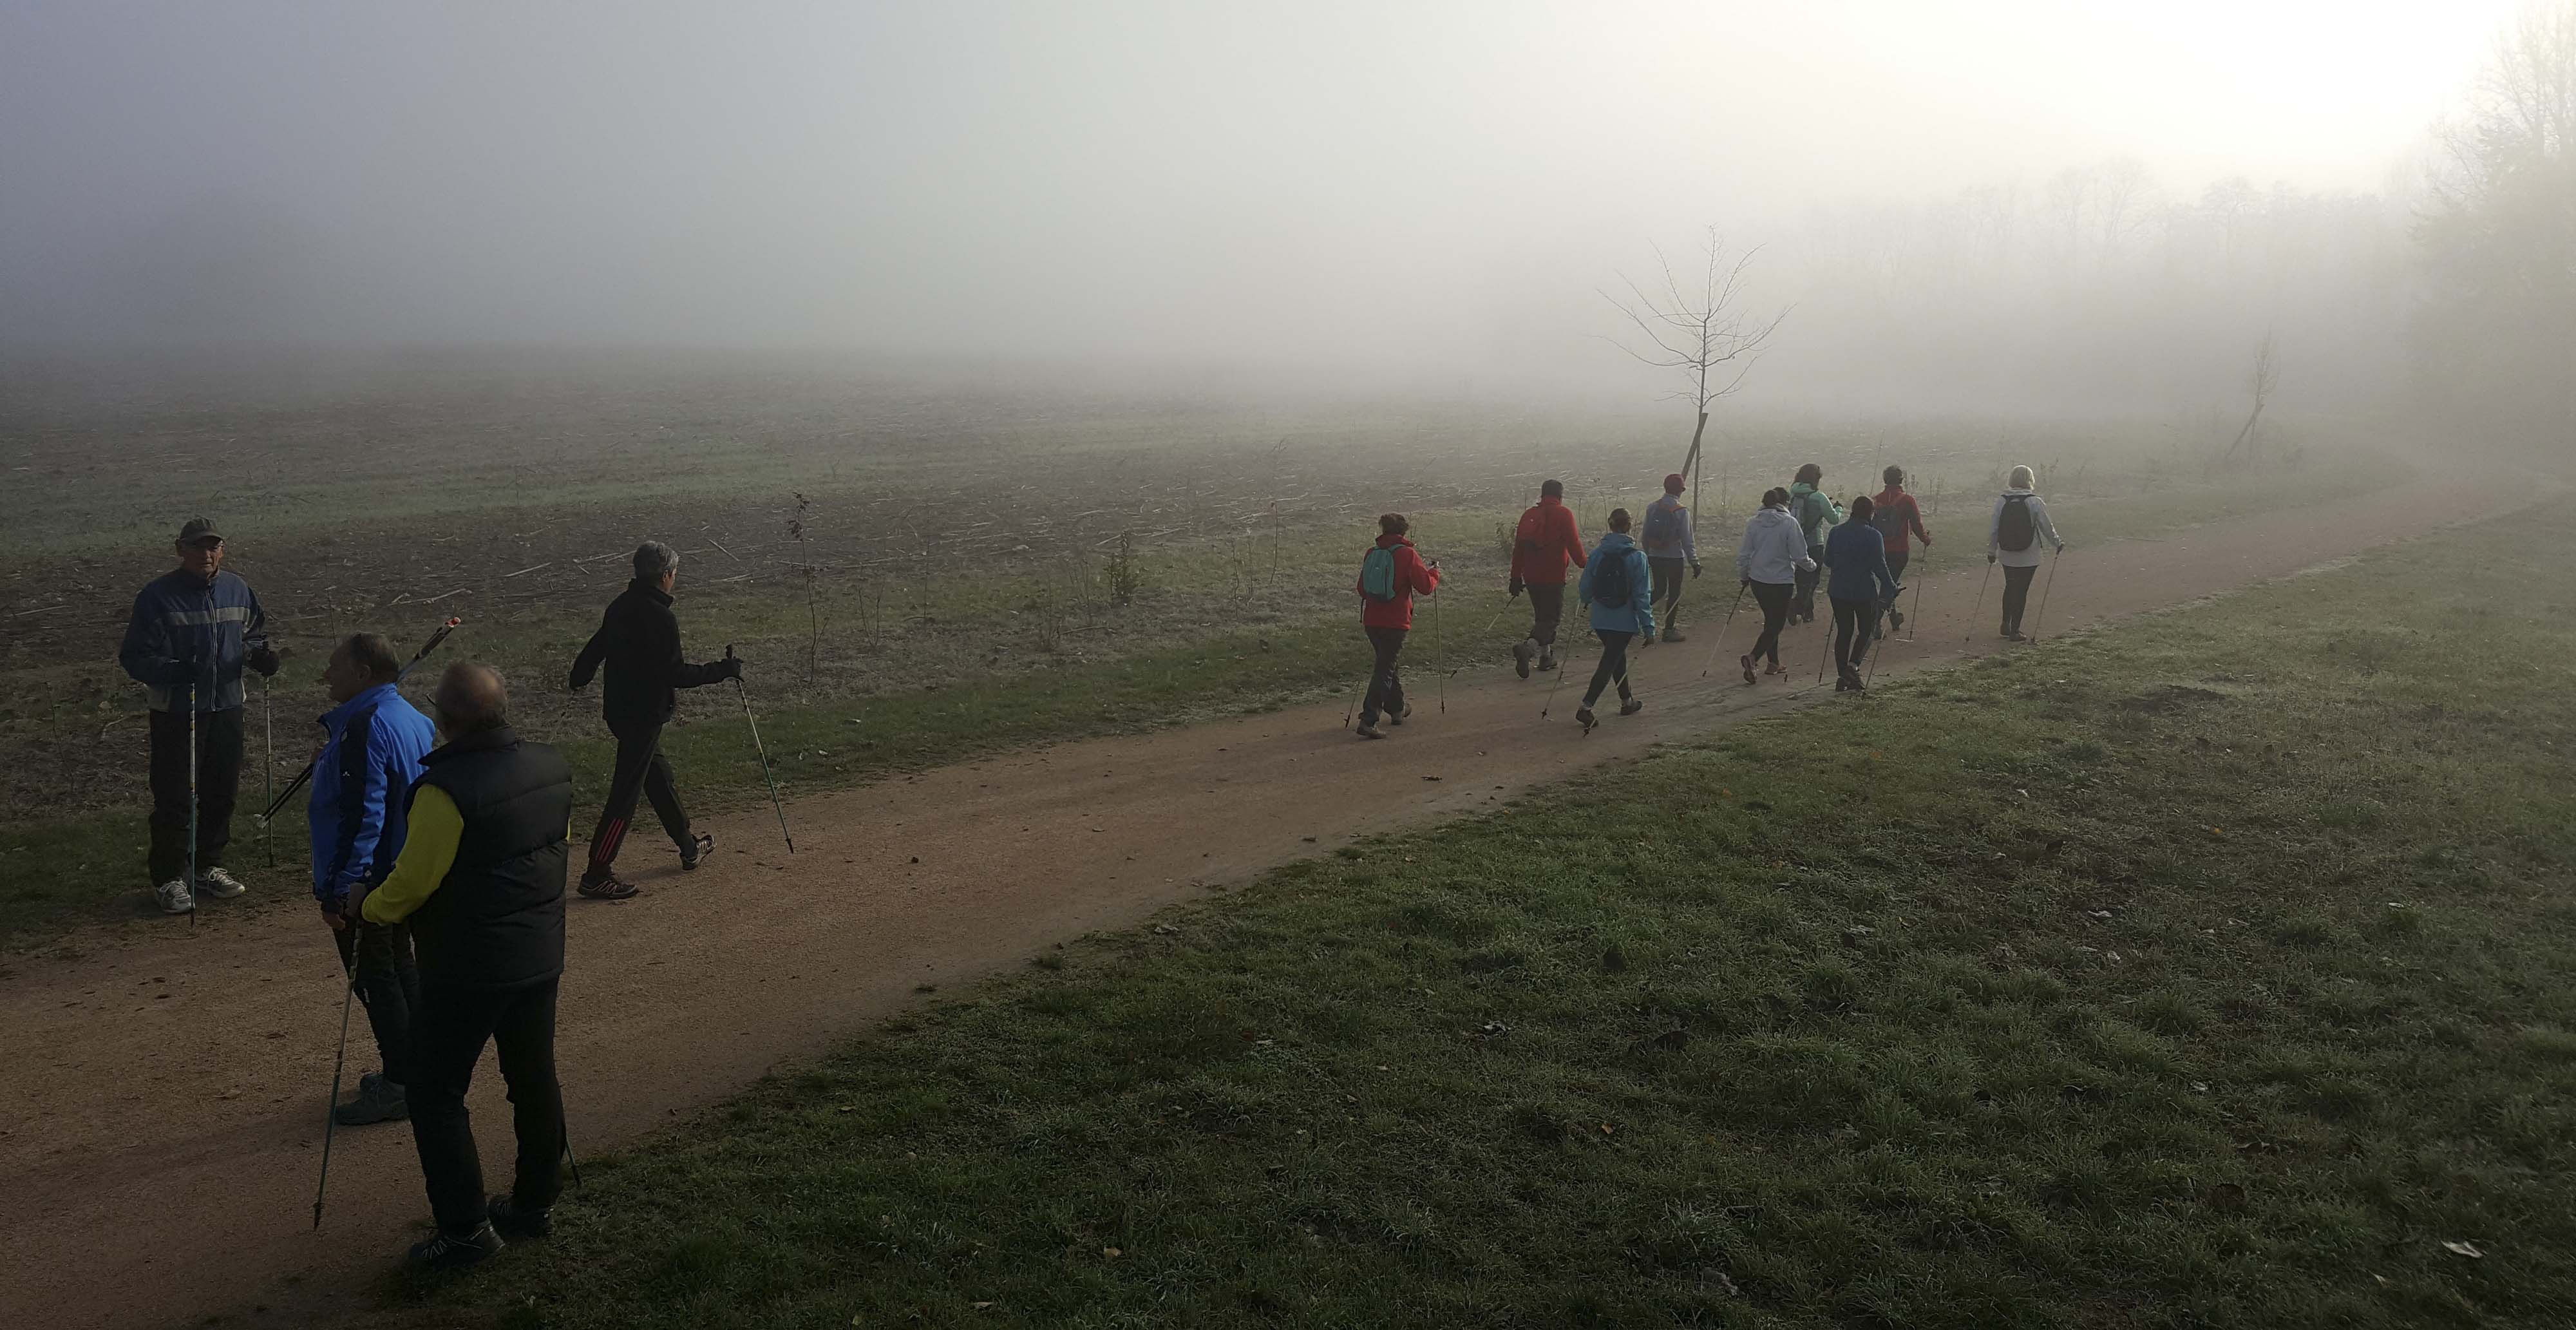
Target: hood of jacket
[2019,493]
[1387,542]
[1616,541]
[1769,516]
[1801,490]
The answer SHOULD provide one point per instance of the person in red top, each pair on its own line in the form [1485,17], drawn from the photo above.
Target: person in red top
[1895,513]
[1387,618]
[1546,541]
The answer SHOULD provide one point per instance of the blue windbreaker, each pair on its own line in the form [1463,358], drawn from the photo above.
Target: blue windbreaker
[1858,555]
[1638,614]
[370,756]
[184,631]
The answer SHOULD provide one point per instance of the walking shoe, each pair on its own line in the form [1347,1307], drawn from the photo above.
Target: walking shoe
[174,898]
[1547,658]
[1895,621]
[519,1225]
[1631,707]
[1747,663]
[700,846]
[1398,717]
[1522,652]
[1583,716]
[219,884]
[379,1100]
[1369,730]
[2014,635]
[445,1252]
[607,887]
[1674,635]
[1773,668]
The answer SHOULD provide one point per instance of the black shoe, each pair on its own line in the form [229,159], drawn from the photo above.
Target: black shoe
[1631,707]
[455,1253]
[1583,716]
[1547,659]
[1369,730]
[1747,663]
[519,1225]
[607,887]
[1398,715]
[702,845]
[378,1100]
[1522,653]
[1896,621]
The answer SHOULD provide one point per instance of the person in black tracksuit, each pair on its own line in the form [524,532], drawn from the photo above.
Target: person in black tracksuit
[639,641]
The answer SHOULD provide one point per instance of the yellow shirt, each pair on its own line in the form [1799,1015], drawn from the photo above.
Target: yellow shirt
[429,850]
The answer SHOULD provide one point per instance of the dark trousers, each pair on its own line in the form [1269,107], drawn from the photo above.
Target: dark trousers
[1613,668]
[1804,603]
[1666,592]
[2016,594]
[1547,606]
[448,1034]
[1855,623]
[1385,688]
[389,983]
[219,759]
[1774,598]
[642,769]
[1896,561]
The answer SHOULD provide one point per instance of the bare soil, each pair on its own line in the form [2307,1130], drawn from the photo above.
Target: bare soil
[162,1093]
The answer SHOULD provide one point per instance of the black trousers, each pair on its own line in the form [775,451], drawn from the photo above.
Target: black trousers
[1896,562]
[1385,687]
[389,983]
[1613,668]
[1665,592]
[1547,607]
[1805,601]
[641,769]
[2016,594]
[448,1034]
[1855,623]
[1774,598]
[219,760]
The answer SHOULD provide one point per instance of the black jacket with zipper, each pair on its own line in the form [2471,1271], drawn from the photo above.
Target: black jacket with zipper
[497,918]
[639,641]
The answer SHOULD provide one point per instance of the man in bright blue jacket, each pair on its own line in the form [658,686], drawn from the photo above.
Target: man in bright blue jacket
[372,746]
[192,632]
[1619,587]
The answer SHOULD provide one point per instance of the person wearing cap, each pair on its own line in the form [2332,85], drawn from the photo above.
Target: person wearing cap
[1669,548]
[1546,540]
[193,630]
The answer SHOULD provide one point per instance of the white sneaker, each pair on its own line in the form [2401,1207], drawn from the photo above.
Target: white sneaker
[219,884]
[174,897]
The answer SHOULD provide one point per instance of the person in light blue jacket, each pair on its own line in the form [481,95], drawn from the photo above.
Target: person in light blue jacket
[1618,586]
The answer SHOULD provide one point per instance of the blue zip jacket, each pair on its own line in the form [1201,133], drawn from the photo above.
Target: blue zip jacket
[1636,616]
[184,631]
[1858,556]
[371,753]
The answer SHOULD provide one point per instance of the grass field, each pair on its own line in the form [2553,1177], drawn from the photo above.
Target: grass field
[2214,970]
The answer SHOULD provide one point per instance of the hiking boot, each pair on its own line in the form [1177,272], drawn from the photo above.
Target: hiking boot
[519,1225]
[700,846]
[1523,651]
[1583,716]
[607,887]
[1369,730]
[1674,635]
[2014,635]
[219,884]
[445,1252]
[1895,621]
[173,897]
[1547,658]
[1631,707]
[1400,715]
[379,1100]
[1747,663]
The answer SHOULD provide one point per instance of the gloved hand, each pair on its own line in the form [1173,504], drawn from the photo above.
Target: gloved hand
[1744,584]
[1517,588]
[1647,638]
[729,668]
[1695,569]
[1990,556]
[263,660]
[2061,547]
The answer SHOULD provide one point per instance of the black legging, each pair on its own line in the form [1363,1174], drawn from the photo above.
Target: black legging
[1386,687]
[1613,667]
[2016,594]
[1773,597]
[1851,616]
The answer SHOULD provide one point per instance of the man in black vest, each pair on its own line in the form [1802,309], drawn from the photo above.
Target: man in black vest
[481,880]
[639,641]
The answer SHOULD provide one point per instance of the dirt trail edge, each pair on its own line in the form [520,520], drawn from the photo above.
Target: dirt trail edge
[161,1094]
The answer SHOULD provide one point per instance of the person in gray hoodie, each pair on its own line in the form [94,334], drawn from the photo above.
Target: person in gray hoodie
[1768,563]
[2013,539]
[1669,550]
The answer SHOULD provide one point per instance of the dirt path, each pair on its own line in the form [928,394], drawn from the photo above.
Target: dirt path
[160,1094]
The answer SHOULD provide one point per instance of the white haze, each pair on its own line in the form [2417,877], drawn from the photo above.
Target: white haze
[2038,201]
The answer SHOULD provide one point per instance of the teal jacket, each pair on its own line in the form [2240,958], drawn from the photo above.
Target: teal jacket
[1814,512]
[1637,615]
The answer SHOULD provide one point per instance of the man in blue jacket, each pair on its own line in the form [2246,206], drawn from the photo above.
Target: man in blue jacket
[192,632]
[372,746]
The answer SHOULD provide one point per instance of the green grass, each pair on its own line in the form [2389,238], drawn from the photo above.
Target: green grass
[2215,970]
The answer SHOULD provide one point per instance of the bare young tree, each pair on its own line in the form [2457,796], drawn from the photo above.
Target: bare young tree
[1701,333]
[2266,375]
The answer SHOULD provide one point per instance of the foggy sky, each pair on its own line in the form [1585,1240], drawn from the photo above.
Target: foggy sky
[1436,188]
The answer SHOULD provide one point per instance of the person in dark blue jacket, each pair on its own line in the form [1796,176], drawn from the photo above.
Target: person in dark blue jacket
[1618,585]
[193,631]
[1861,583]
[373,742]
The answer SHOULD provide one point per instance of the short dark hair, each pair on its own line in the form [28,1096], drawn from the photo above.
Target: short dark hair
[1894,475]
[1810,474]
[372,653]
[1554,489]
[1618,519]
[1860,508]
[471,698]
[1773,495]
[1392,524]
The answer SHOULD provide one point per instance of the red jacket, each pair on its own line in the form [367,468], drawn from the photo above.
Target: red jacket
[1910,518]
[1546,540]
[1412,577]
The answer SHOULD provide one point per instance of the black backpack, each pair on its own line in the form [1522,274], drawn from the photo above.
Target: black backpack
[2014,530]
[1614,580]
[1663,523]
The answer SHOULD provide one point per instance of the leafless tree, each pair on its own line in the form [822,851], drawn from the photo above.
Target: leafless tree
[2265,376]
[1701,333]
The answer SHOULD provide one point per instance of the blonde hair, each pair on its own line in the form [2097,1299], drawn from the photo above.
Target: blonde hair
[2021,479]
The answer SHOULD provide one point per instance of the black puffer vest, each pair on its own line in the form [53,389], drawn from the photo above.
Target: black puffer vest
[497,920]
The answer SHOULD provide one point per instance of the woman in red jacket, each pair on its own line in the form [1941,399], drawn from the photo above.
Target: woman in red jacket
[1390,577]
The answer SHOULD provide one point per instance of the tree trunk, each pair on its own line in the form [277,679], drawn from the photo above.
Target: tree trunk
[2242,433]
[1690,460]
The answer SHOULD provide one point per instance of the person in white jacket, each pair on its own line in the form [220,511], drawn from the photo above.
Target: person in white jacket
[1773,553]
[2013,539]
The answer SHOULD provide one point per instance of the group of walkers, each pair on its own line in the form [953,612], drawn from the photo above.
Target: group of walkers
[439,850]
[1798,539]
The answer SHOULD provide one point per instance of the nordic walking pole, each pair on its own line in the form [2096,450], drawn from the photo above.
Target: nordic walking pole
[1440,640]
[267,767]
[339,1064]
[1981,599]
[1561,672]
[763,750]
[307,773]
[1720,643]
[192,794]
[1916,624]
[2043,592]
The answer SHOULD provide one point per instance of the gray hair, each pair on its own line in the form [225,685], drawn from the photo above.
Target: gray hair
[471,698]
[2020,479]
[655,561]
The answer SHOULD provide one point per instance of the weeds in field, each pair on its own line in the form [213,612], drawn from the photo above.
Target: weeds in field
[796,528]
[1121,570]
